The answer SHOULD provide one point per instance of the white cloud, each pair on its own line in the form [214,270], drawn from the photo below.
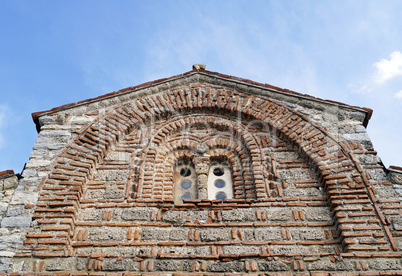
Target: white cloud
[388,69]
[398,95]
[379,80]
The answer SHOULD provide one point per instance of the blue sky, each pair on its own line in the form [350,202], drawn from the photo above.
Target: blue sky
[57,52]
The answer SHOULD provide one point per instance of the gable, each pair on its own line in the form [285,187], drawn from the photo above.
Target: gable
[301,199]
[310,106]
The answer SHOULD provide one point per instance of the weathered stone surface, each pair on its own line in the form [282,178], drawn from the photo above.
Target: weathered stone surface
[14,236]
[356,137]
[202,180]
[360,129]
[357,115]
[34,163]
[385,192]
[29,173]
[107,234]
[24,197]
[318,214]
[232,215]
[273,266]
[345,266]
[4,268]
[397,220]
[241,249]
[18,265]
[60,265]
[395,177]
[168,265]
[6,253]
[94,194]
[47,144]
[181,217]
[214,235]
[16,222]
[326,265]
[3,207]
[268,234]
[322,266]
[150,234]
[178,234]
[278,214]
[172,216]
[80,119]
[134,266]
[202,168]
[369,159]
[247,234]
[385,264]
[292,174]
[112,175]
[112,264]
[307,192]
[226,267]
[14,210]
[81,264]
[202,250]
[307,234]
[5,261]
[90,214]
[137,214]
[235,215]
[113,194]
[9,183]
[295,249]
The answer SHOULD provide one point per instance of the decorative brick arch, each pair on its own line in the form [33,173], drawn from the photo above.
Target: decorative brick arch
[245,138]
[76,163]
[190,145]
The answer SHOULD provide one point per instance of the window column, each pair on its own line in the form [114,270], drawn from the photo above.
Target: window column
[201,168]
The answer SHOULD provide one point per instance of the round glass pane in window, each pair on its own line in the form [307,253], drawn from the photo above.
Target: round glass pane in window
[186,196]
[218,171]
[220,195]
[185,184]
[219,183]
[185,172]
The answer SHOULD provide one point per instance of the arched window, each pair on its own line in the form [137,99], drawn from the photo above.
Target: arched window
[185,181]
[220,184]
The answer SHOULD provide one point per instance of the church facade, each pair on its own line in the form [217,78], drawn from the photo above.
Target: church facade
[202,173]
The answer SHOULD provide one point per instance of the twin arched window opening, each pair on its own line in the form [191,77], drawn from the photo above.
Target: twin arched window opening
[219,182]
[202,179]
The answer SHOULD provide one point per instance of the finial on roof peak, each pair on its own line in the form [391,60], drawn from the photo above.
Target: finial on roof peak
[199,66]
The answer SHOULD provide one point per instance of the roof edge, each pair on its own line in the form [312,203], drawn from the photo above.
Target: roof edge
[395,169]
[6,173]
[36,115]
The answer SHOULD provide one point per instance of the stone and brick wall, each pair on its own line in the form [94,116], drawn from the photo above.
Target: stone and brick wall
[310,194]
[12,219]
